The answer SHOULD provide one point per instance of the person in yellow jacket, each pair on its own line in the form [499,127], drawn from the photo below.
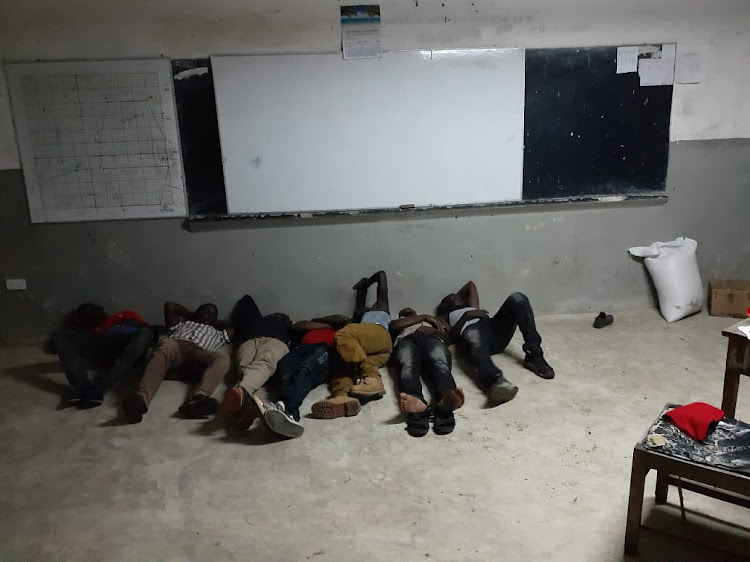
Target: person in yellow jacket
[364,346]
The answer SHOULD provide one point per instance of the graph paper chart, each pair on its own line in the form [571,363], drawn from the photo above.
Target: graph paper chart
[98,140]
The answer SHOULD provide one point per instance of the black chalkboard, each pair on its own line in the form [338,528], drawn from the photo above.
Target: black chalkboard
[199,136]
[589,130]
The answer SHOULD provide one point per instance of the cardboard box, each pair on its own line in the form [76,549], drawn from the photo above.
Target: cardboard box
[728,297]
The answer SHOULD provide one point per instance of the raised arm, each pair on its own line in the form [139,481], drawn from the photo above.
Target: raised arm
[400,324]
[469,293]
[382,293]
[335,321]
[175,313]
[455,331]
[381,296]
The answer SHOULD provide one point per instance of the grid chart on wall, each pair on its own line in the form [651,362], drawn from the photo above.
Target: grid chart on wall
[98,140]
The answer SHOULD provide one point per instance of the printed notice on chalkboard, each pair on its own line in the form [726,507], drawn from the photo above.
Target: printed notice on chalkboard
[657,68]
[360,31]
[627,59]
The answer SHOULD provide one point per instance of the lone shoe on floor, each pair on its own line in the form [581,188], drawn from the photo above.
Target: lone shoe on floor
[368,387]
[418,425]
[243,406]
[199,406]
[336,407]
[277,420]
[502,391]
[603,320]
[134,407]
[534,362]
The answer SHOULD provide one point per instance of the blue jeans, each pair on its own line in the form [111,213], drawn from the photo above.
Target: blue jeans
[492,335]
[117,350]
[416,355]
[301,370]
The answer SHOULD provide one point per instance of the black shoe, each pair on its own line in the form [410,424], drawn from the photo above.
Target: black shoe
[73,396]
[603,320]
[444,422]
[535,362]
[199,406]
[93,394]
[502,391]
[418,425]
[134,407]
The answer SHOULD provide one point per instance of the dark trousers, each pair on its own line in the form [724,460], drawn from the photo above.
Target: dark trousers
[416,355]
[117,351]
[492,335]
[299,371]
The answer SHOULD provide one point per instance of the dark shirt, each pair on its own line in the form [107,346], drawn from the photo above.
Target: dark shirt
[274,327]
[249,323]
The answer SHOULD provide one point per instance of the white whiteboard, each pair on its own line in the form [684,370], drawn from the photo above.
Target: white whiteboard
[319,133]
[98,140]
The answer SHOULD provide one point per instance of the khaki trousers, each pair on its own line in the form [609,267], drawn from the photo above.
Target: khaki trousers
[256,361]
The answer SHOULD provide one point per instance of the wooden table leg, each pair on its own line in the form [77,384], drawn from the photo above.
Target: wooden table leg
[662,486]
[635,501]
[735,358]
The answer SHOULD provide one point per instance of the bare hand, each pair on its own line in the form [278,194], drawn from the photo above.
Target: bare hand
[477,313]
[432,320]
[425,331]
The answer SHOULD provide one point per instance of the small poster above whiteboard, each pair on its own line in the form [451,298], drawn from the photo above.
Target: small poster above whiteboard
[98,140]
[360,31]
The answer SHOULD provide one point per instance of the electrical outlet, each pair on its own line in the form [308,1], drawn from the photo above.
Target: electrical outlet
[15,284]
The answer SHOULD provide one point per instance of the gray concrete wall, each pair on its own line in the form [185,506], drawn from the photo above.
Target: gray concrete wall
[567,259]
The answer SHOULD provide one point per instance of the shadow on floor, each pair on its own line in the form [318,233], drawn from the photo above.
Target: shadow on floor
[36,376]
[256,435]
[664,536]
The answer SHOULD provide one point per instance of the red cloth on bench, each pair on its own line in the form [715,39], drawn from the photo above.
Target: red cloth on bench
[694,419]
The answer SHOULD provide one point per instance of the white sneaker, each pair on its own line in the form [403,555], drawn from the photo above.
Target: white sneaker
[278,421]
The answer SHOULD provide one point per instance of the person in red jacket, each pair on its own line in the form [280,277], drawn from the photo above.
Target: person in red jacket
[95,339]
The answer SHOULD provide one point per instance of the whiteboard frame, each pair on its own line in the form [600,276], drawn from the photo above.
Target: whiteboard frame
[17,71]
[244,198]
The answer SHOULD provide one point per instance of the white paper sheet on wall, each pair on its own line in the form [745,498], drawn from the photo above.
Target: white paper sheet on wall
[627,59]
[688,68]
[659,70]
[98,140]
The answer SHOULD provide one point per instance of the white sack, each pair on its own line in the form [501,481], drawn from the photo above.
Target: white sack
[674,268]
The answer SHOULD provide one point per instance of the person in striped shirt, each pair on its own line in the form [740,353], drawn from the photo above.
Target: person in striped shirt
[195,340]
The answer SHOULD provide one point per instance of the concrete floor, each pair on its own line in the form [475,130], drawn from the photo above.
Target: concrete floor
[544,477]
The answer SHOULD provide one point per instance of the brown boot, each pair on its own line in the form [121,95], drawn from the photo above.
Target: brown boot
[336,407]
[368,387]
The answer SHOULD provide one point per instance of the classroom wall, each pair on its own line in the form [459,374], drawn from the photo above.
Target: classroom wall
[719,30]
[568,259]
